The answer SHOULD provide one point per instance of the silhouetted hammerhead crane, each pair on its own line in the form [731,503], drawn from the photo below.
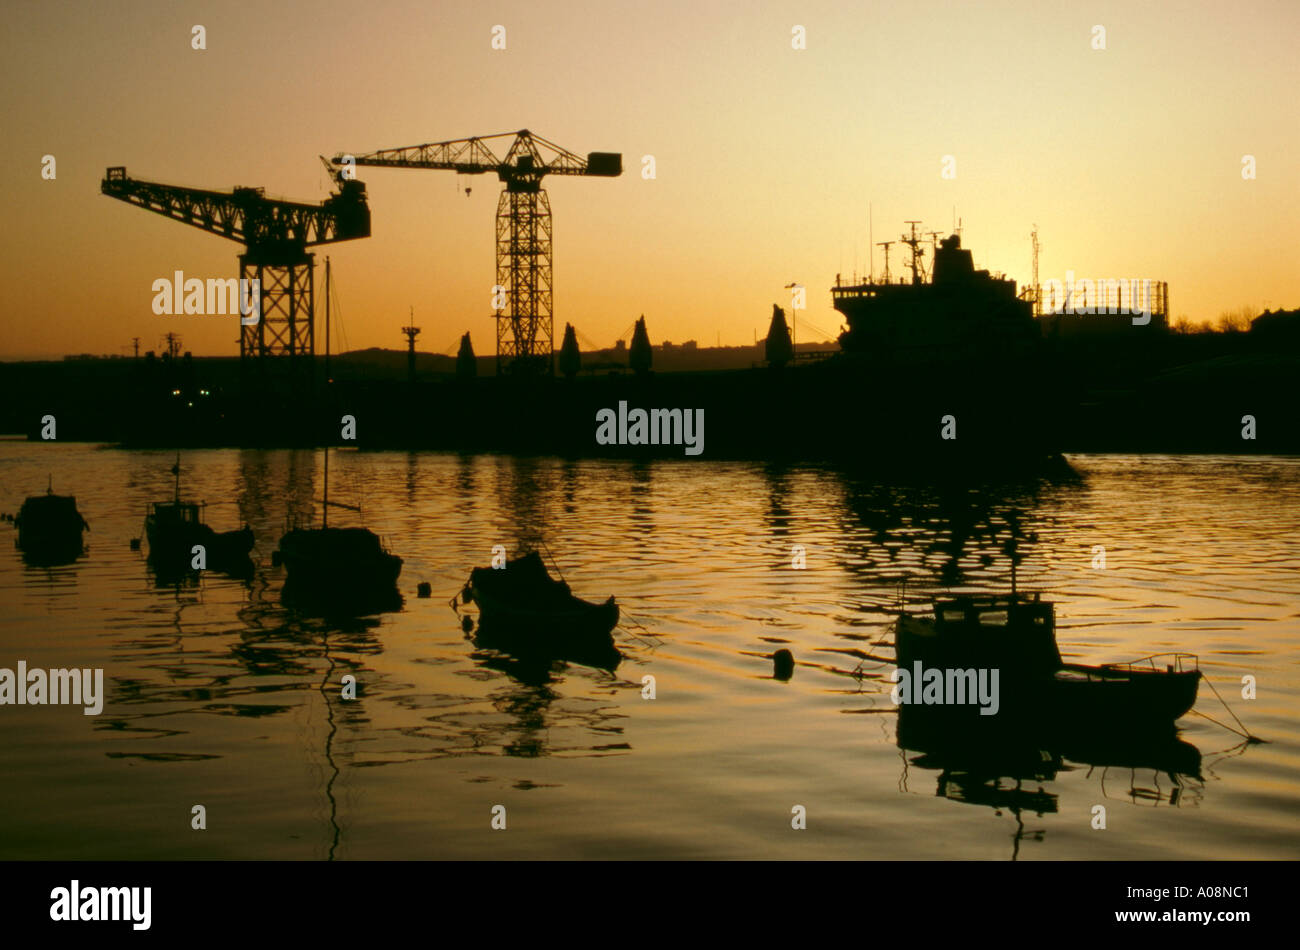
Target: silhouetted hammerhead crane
[525,325]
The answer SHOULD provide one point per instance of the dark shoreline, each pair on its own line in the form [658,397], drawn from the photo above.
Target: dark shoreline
[1181,396]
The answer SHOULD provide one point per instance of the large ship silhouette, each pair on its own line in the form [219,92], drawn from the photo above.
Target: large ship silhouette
[958,313]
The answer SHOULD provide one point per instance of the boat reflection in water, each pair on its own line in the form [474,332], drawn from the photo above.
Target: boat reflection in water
[1008,764]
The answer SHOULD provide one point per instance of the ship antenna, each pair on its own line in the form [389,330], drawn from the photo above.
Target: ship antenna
[885,245]
[871,242]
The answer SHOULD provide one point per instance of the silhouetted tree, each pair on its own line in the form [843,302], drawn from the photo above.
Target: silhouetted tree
[466,364]
[778,349]
[1236,321]
[570,359]
[640,355]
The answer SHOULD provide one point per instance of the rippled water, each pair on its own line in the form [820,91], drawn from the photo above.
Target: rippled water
[219,696]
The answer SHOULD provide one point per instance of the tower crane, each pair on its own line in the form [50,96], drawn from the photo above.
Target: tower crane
[275,235]
[525,328]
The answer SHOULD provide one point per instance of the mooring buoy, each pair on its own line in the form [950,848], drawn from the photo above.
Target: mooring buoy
[783,664]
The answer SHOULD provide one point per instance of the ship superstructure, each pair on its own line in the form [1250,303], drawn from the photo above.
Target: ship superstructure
[958,313]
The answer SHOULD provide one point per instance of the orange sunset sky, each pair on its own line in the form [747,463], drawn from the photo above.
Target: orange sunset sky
[1128,159]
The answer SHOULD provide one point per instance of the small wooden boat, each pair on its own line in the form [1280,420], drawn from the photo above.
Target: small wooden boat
[1016,636]
[338,565]
[174,528]
[50,528]
[338,570]
[524,611]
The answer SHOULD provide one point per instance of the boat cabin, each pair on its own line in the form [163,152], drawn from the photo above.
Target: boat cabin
[176,513]
[1009,631]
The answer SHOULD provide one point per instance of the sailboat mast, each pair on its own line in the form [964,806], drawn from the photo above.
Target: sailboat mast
[327,321]
[325,516]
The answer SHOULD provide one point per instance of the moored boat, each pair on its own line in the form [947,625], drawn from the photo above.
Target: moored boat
[338,570]
[1016,636]
[524,611]
[175,528]
[50,528]
[339,567]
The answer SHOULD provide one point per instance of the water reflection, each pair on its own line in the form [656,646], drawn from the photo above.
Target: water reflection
[928,537]
[54,556]
[1010,767]
[778,515]
[215,684]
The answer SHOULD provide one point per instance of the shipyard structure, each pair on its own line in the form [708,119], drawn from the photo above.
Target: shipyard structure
[947,371]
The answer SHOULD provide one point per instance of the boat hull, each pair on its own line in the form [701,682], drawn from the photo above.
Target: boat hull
[528,614]
[339,569]
[1039,690]
[171,548]
[50,529]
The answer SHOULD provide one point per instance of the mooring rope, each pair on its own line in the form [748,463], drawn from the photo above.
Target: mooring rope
[1245,734]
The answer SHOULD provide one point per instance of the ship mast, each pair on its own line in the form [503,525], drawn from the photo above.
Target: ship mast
[914,242]
[325,508]
[327,322]
[1038,295]
[934,249]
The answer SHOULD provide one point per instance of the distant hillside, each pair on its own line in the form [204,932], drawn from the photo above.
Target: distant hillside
[378,363]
